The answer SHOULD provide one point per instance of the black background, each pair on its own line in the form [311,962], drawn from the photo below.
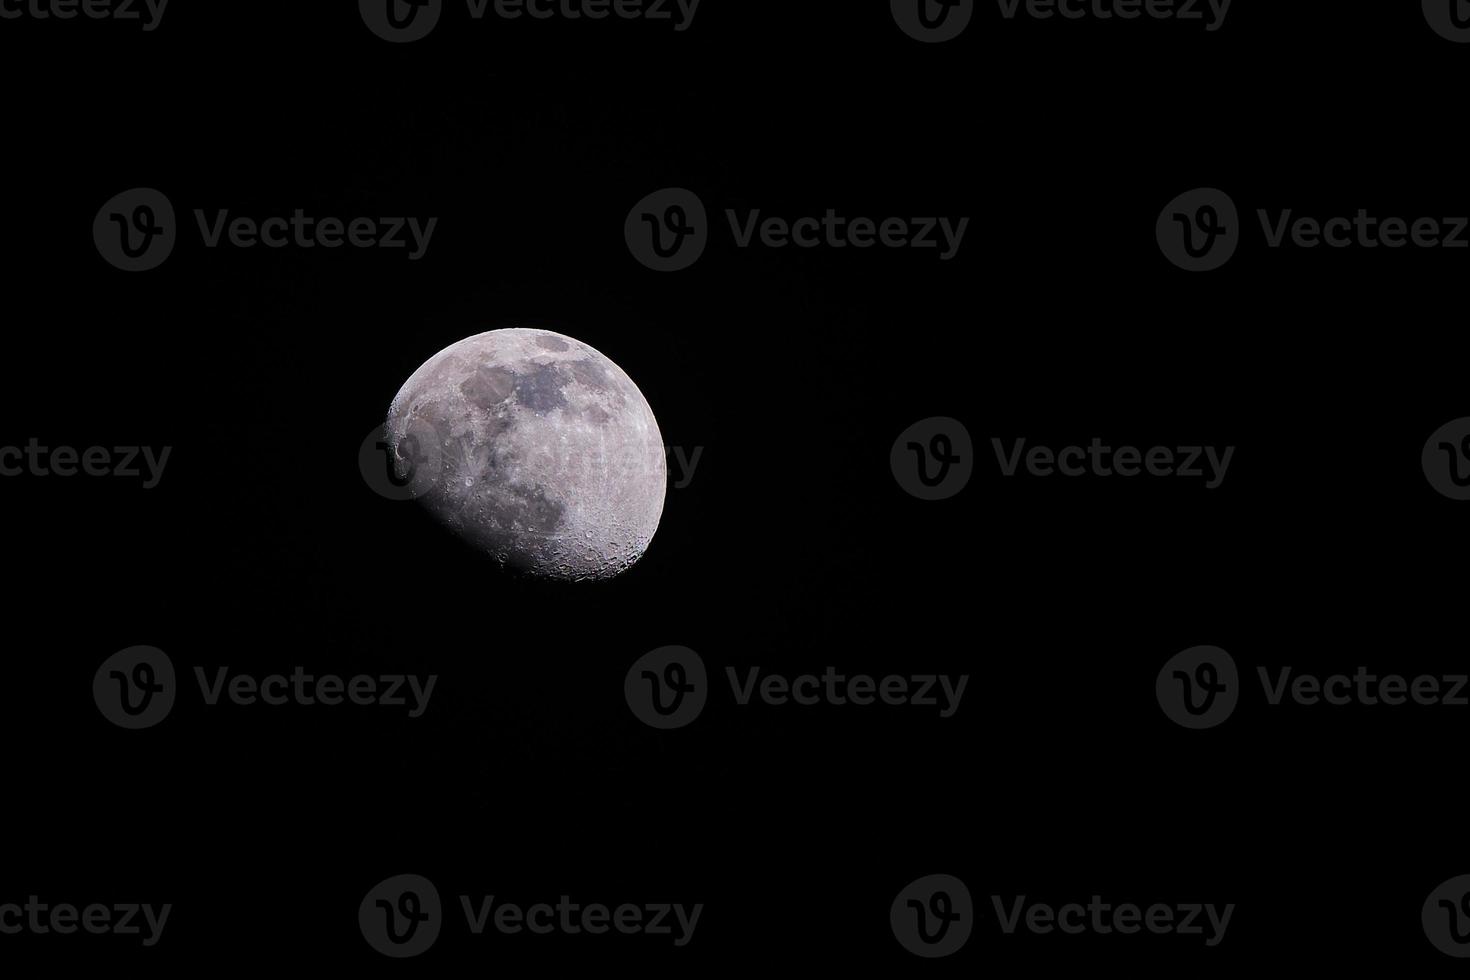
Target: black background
[793,547]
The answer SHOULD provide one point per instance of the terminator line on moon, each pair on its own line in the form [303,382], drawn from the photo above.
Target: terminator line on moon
[535,448]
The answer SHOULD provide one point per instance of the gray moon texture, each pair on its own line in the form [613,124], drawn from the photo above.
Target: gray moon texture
[536,449]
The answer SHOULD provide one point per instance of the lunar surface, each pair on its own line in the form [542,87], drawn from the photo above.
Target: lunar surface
[535,448]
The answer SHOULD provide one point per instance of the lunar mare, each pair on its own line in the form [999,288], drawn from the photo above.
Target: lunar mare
[535,448]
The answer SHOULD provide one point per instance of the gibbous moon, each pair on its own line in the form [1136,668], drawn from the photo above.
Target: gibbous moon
[535,448]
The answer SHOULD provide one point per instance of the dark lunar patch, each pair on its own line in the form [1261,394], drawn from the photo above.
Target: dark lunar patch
[595,414]
[488,386]
[590,373]
[550,343]
[538,387]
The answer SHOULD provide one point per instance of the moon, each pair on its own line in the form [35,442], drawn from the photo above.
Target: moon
[535,448]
